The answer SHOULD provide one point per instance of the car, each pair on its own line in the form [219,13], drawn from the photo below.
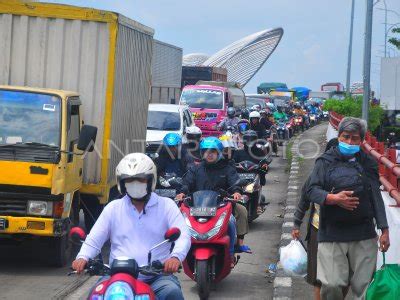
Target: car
[163,119]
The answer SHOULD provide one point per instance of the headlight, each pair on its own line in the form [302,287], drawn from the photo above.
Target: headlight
[119,290]
[249,188]
[40,208]
[142,297]
[208,235]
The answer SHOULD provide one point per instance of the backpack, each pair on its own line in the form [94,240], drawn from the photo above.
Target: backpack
[348,176]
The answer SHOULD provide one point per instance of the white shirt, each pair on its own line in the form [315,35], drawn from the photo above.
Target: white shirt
[133,234]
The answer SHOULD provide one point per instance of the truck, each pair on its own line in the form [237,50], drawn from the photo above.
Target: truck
[166,73]
[332,87]
[63,67]
[266,87]
[192,74]
[209,101]
[390,88]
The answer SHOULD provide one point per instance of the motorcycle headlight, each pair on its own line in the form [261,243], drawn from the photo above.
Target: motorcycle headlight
[208,235]
[249,188]
[142,297]
[40,208]
[119,290]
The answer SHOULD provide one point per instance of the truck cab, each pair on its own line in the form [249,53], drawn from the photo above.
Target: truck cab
[42,144]
[209,101]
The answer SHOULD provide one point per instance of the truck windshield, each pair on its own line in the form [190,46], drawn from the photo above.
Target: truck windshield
[27,117]
[163,120]
[203,98]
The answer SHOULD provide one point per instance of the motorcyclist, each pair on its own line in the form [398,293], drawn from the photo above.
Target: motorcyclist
[252,153]
[137,222]
[192,145]
[215,173]
[173,158]
[256,125]
[280,115]
[298,110]
[229,148]
[265,119]
[230,121]
[245,114]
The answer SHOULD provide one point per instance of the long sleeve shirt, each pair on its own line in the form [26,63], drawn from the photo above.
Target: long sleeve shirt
[133,234]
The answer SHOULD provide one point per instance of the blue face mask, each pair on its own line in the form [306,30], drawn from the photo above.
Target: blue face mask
[347,149]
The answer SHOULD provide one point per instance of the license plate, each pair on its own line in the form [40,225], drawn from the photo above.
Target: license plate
[247,176]
[3,224]
[169,193]
[203,211]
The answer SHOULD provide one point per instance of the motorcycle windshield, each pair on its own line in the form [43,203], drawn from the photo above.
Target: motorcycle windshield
[205,199]
[247,165]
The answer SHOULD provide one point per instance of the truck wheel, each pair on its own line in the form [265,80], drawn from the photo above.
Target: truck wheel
[203,278]
[58,251]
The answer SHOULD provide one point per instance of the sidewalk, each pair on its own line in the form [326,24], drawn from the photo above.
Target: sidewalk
[306,148]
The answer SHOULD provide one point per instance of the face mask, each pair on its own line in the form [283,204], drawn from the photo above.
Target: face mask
[347,149]
[136,190]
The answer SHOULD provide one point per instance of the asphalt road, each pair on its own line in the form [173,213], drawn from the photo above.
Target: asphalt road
[25,275]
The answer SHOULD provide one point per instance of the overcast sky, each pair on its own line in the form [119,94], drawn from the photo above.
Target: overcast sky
[313,49]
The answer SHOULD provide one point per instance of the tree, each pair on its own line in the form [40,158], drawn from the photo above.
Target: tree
[395,41]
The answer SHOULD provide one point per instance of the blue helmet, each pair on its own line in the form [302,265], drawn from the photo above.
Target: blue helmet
[172,140]
[211,142]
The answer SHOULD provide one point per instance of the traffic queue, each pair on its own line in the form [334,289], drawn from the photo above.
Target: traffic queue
[216,180]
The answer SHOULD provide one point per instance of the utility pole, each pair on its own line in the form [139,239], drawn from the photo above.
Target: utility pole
[350,50]
[367,60]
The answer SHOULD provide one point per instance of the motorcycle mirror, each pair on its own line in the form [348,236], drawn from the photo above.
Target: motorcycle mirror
[172,234]
[176,182]
[77,235]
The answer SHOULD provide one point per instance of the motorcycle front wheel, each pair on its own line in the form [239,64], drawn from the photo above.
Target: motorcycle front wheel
[203,278]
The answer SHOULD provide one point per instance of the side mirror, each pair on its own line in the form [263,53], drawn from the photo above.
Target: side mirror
[87,138]
[77,235]
[176,182]
[172,234]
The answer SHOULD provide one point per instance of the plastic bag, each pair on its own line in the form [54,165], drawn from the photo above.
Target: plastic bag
[293,258]
[386,283]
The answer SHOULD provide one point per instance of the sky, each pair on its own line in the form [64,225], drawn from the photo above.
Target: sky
[313,49]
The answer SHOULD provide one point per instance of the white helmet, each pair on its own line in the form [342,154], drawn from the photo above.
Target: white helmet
[136,165]
[255,114]
[193,132]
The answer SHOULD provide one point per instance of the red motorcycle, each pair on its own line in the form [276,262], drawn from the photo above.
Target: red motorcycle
[299,123]
[207,215]
[123,282]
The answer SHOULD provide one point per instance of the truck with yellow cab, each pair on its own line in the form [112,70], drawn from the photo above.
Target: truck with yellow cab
[63,67]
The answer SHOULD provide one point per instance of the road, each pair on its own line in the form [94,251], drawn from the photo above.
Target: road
[24,274]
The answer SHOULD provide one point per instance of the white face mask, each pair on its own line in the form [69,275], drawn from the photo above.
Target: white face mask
[136,189]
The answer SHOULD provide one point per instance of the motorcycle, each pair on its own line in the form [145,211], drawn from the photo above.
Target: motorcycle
[283,132]
[207,215]
[325,115]
[314,119]
[168,183]
[249,174]
[122,276]
[272,138]
[299,123]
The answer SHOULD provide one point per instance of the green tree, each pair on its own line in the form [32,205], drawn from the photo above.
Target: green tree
[395,41]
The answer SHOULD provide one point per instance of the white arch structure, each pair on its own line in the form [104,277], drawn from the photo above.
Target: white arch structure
[244,57]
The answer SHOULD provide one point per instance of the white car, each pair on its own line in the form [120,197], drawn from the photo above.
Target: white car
[163,119]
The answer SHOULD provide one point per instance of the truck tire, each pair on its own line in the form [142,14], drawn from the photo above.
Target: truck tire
[59,254]
[203,278]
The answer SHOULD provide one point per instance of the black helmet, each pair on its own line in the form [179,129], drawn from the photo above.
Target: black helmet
[231,112]
[245,113]
[249,137]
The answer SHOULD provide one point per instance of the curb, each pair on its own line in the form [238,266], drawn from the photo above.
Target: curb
[283,282]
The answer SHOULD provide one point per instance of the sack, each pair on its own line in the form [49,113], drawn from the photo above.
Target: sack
[293,258]
[386,283]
